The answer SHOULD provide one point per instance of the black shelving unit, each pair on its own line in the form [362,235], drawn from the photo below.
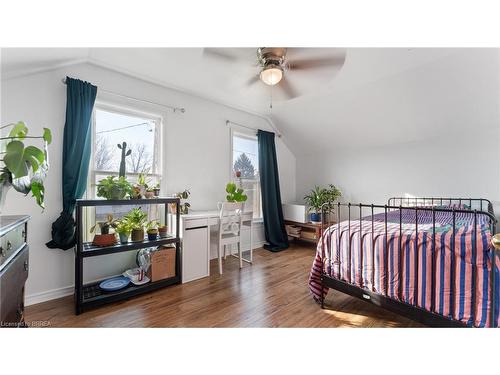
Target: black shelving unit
[90,295]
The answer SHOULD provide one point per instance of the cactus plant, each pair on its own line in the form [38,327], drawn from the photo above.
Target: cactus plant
[125,153]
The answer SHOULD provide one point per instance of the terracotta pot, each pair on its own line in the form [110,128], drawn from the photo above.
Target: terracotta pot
[102,240]
[137,235]
[149,194]
[163,231]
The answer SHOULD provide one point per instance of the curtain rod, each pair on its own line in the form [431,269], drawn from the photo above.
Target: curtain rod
[278,134]
[175,109]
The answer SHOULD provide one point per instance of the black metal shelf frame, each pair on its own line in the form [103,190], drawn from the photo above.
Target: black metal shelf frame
[84,250]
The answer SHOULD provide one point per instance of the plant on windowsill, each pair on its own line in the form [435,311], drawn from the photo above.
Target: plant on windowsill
[24,168]
[320,196]
[114,188]
[235,193]
[137,219]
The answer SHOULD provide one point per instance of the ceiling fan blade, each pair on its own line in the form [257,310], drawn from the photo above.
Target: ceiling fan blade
[218,53]
[252,80]
[288,88]
[302,64]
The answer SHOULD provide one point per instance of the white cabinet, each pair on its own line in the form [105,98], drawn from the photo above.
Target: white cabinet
[195,249]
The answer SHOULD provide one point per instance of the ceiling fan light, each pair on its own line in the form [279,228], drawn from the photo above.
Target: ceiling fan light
[271,75]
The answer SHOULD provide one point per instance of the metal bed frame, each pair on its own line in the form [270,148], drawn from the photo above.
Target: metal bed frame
[414,312]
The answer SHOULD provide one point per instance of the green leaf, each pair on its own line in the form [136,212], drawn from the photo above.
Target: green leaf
[19,130]
[231,187]
[38,191]
[19,159]
[47,135]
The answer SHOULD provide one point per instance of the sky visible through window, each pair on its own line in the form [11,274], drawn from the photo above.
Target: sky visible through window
[247,146]
[113,128]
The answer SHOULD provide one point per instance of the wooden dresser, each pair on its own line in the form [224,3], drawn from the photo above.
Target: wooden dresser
[14,266]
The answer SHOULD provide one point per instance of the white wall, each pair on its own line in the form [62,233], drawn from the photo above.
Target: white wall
[197,157]
[453,107]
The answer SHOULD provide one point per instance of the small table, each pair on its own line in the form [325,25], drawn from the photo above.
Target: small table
[308,231]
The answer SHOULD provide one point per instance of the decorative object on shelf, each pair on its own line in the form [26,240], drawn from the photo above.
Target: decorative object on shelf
[319,197]
[25,168]
[125,153]
[152,230]
[163,231]
[114,284]
[184,207]
[137,276]
[104,240]
[114,188]
[143,258]
[142,184]
[137,219]
[156,190]
[123,229]
[237,174]
[234,193]
[136,192]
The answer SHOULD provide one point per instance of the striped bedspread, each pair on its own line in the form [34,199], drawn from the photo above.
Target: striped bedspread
[377,261]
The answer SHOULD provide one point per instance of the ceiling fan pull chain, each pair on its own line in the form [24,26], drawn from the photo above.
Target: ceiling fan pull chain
[271,99]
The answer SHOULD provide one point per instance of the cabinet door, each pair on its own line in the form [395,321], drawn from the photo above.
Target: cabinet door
[195,254]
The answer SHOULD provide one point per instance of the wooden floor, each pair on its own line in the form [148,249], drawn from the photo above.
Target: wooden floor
[273,292]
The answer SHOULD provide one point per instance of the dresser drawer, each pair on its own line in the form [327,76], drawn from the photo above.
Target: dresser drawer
[11,243]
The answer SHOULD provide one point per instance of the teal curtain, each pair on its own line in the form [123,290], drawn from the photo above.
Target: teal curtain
[80,99]
[274,225]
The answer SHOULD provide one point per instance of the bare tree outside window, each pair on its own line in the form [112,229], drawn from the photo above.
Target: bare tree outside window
[103,154]
[245,166]
[140,159]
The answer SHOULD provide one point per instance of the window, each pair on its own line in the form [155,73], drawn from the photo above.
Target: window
[245,159]
[142,135]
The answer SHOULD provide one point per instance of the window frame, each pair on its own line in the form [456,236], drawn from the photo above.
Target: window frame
[249,134]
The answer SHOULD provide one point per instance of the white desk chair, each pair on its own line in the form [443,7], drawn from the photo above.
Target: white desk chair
[230,225]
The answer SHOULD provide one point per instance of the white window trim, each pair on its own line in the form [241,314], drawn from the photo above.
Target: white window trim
[250,135]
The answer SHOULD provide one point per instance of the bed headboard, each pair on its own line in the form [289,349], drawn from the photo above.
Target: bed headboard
[479,204]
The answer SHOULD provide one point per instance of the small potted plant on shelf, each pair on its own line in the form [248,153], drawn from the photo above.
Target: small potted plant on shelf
[137,219]
[152,230]
[141,185]
[104,238]
[149,193]
[319,197]
[163,231]
[114,188]
[123,229]
[183,207]
[156,190]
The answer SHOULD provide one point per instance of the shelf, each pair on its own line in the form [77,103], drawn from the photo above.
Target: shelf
[90,250]
[123,202]
[94,296]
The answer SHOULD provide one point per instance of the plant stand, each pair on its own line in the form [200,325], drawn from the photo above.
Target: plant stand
[90,295]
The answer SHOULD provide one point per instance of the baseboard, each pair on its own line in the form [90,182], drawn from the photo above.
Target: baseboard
[48,295]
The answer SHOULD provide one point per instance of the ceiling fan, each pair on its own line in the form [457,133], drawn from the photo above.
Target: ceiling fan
[274,66]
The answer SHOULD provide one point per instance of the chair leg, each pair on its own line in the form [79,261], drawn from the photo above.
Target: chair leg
[240,255]
[225,252]
[219,255]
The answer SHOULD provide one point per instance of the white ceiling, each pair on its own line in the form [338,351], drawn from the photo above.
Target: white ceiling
[342,103]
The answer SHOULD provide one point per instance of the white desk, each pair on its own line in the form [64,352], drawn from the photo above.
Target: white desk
[195,234]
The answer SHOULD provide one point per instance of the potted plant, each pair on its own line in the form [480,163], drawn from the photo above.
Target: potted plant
[137,218]
[141,184]
[123,229]
[234,193]
[163,231]
[104,238]
[156,190]
[135,192]
[24,168]
[114,188]
[149,193]
[183,207]
[152,230]
[318,197]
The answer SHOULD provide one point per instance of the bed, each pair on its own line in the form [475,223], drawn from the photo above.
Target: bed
[429,259]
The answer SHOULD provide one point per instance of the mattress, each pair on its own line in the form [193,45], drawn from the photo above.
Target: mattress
[380,257]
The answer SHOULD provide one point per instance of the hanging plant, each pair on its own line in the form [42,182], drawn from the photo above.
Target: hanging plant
[24,167]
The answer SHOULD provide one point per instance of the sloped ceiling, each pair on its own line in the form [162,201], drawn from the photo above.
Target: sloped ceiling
[378,96]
